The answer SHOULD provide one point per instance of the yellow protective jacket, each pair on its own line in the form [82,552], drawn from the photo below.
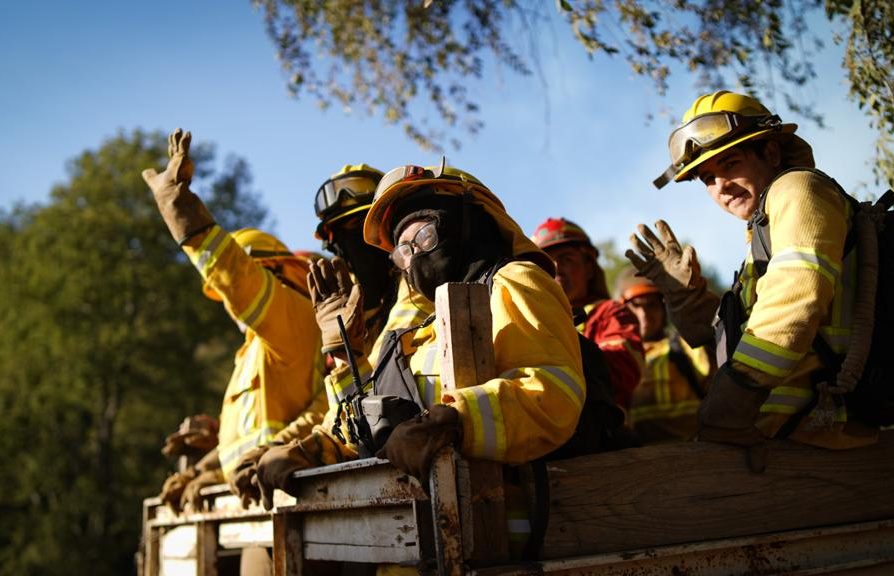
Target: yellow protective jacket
[809,287]
[533,406]
[278,370]
[665,406]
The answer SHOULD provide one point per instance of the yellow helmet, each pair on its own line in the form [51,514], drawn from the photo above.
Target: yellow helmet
[714,123]
[261,245]
[348,191]
[402,182]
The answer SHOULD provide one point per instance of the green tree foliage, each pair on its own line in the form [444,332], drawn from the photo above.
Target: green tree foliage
[869,59]
[107,344]
[415,63]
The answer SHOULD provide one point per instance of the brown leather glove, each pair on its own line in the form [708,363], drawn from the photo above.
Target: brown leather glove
[197,435]
[277,465]
[182,211]
[191,500]
[242,479]
[677,273]
[172,489]
[413,443]
[333,293]
[729,411]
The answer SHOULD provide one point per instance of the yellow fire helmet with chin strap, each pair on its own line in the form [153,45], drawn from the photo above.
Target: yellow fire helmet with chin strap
[403,181]
[715,123]
[270,252]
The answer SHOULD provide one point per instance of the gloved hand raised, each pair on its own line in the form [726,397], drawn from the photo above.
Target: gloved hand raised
[413,444]
[663,261]
[182,211]
[196,435]
[728,413]
[677,273]
[333,293]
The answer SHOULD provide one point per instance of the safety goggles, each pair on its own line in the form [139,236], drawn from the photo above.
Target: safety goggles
[707,132]
[409,173]
[342,192]
[425,240]
[711,130]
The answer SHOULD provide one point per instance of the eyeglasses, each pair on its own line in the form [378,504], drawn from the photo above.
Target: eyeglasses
[425,240]
[711,130]
[334,194]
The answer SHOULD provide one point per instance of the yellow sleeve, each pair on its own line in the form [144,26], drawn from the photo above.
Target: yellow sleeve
[808,221]
[280,316]
[533,406]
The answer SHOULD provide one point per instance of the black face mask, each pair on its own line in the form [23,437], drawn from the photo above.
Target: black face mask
[370,265]
[428,270]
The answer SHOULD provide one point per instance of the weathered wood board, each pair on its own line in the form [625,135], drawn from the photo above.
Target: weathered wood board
[694,492]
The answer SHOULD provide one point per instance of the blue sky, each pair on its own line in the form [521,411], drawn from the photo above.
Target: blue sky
[75,73]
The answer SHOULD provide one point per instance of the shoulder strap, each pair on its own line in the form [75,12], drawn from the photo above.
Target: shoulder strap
[761,247]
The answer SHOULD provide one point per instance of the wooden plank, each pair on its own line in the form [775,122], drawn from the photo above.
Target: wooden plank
[206,548]
[288,546]
[374,535]
[448,531]
[691,492]
[864,549]
[245,534]
[147,564]
[357,484]
[465,343]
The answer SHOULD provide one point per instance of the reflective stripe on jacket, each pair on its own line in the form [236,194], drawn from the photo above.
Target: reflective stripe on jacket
[278,369]
[664,405]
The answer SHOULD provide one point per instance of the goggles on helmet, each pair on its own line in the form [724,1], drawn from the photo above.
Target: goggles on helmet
[336,193]
[409,173]
[425,240]
[708,131]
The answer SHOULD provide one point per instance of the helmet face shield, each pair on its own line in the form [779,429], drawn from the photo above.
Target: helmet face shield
[341,193]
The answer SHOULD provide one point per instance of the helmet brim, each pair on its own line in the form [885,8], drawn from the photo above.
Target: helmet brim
[377,226]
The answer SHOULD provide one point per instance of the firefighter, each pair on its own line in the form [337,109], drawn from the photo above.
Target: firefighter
[603,320]
[263,286]
[424,217]
[387,303]
[665,403]
[771,381]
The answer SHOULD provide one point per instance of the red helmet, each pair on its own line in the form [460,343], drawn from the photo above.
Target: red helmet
[557,231]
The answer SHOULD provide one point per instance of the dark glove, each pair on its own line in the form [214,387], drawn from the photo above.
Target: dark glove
[172,489]
[413,443]
[242,479]
[729,411]
[277,465]
[182,211]
[191,500]
[677,273]
[196,435]
[333,293]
